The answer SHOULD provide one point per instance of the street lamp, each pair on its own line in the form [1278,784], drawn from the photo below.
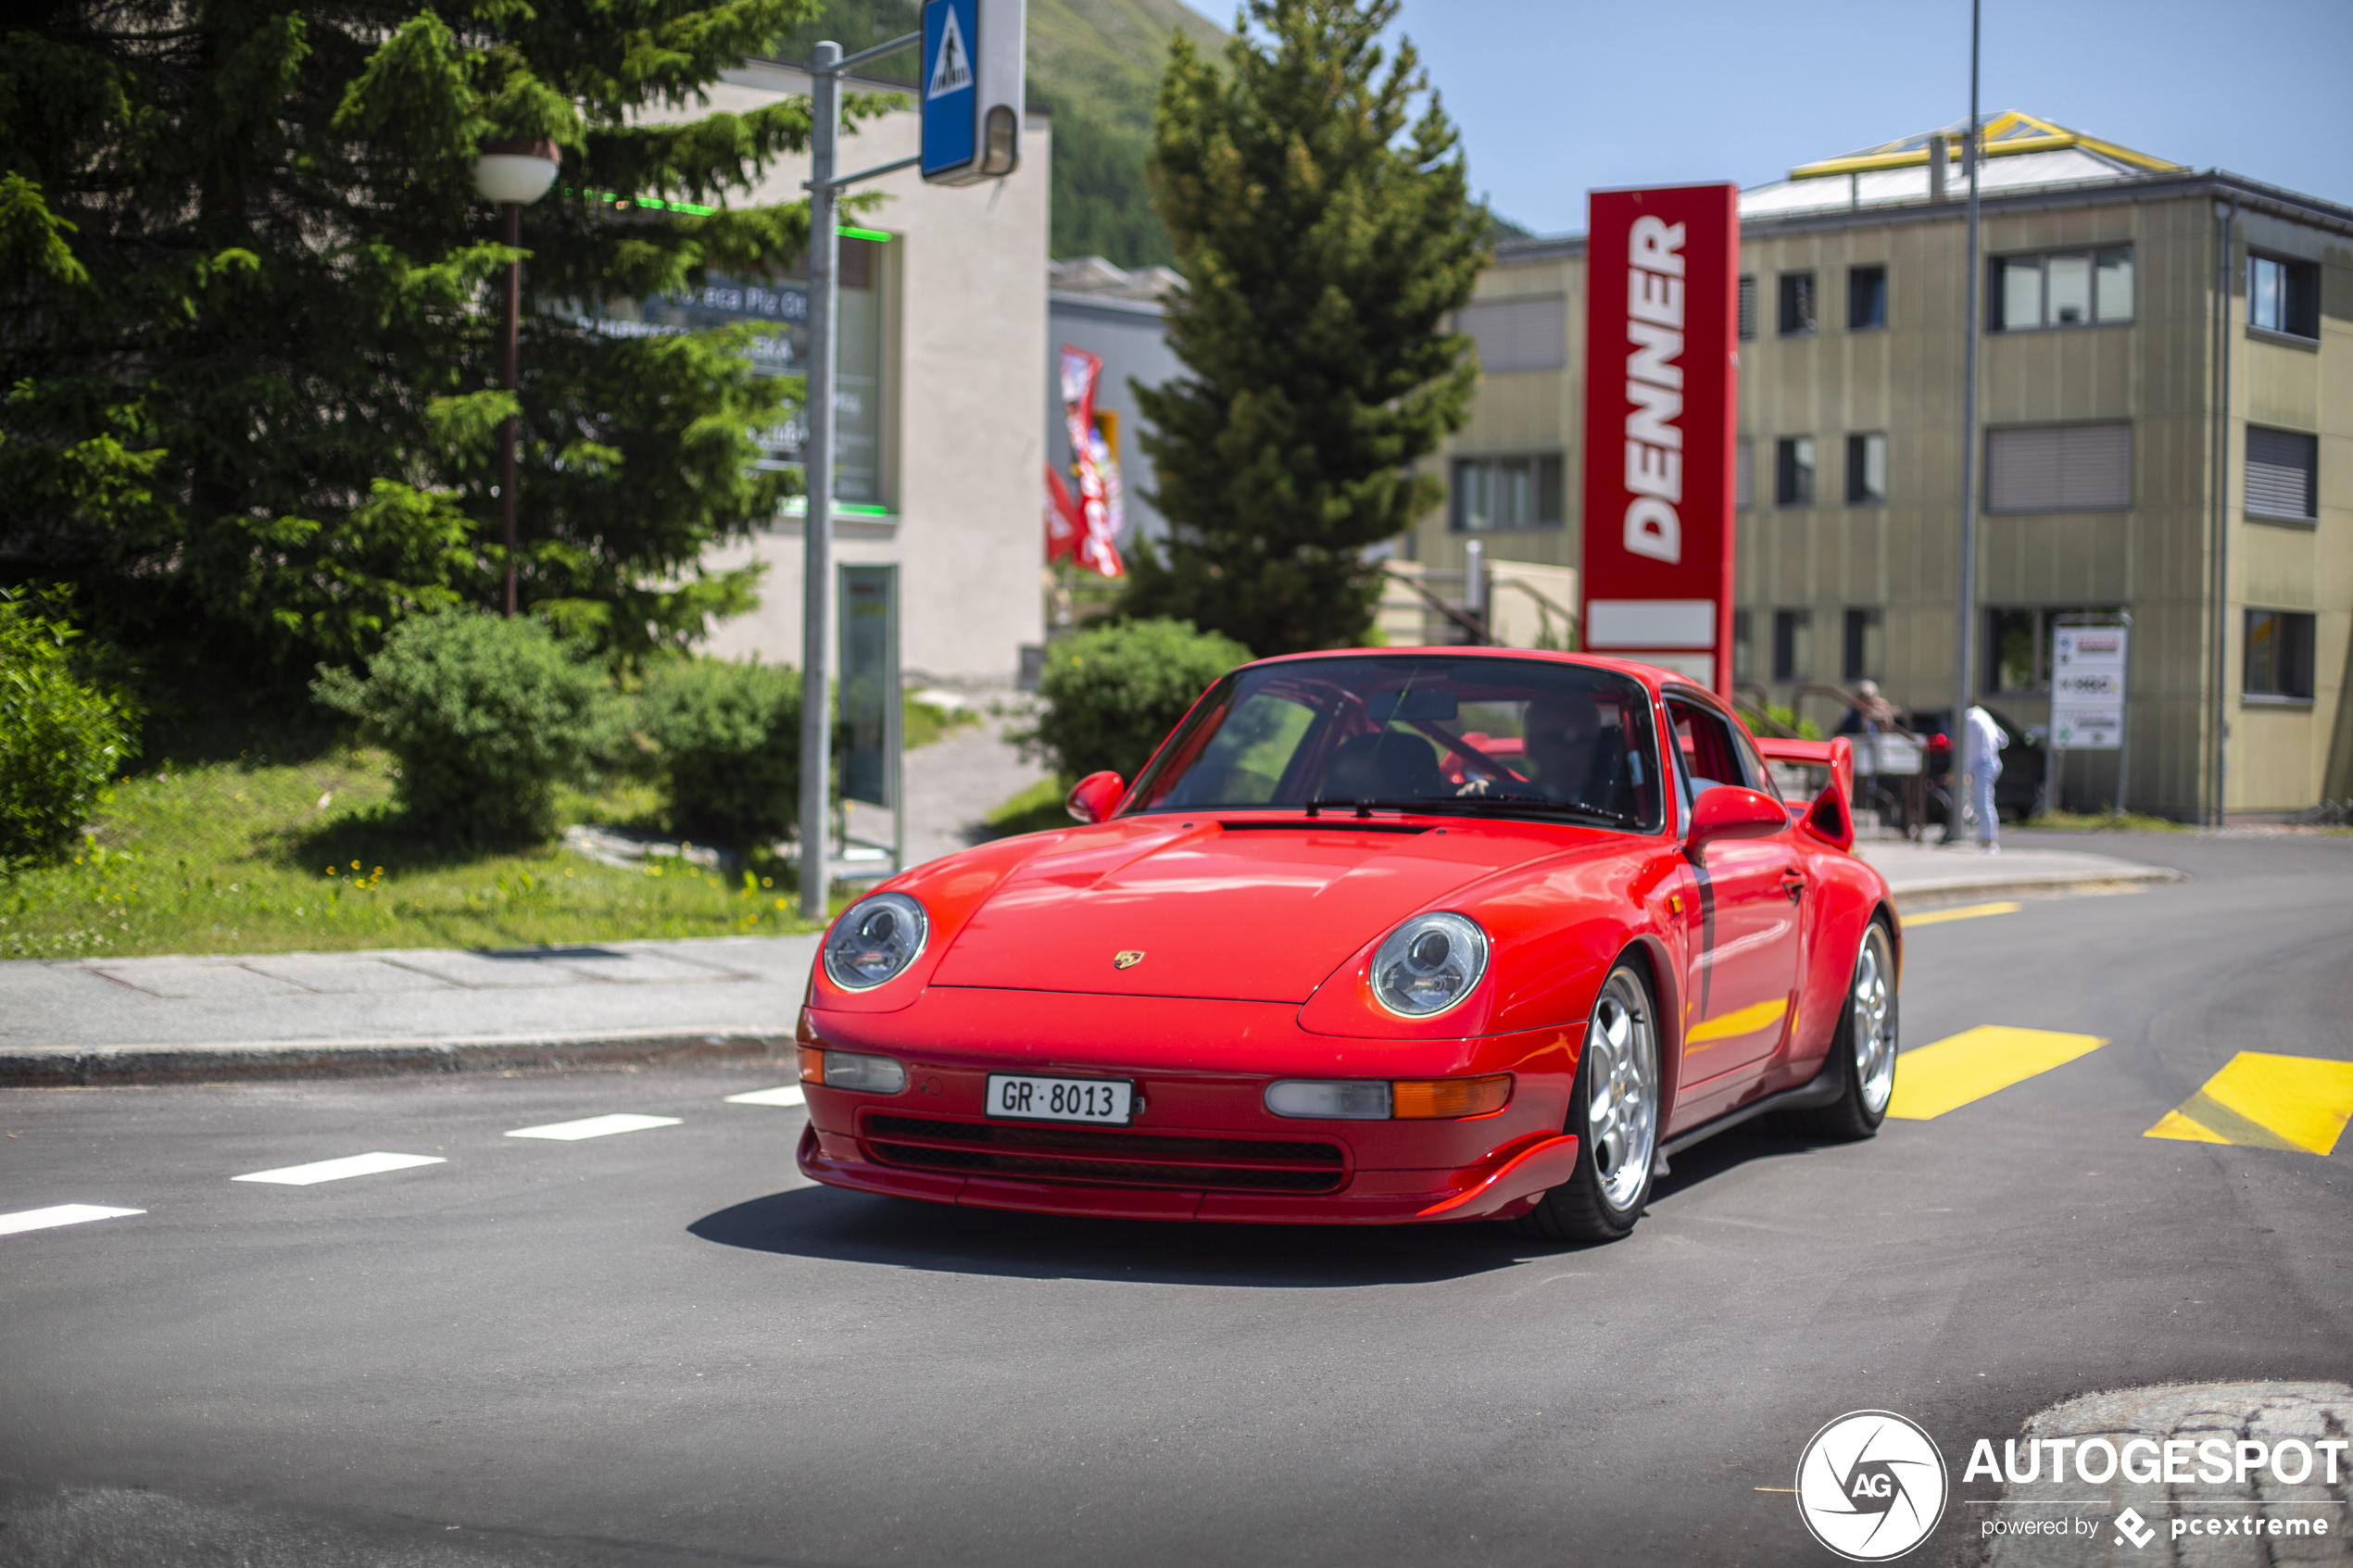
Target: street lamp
[513,172]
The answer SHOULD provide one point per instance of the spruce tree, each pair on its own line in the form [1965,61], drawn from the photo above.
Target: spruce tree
[1323,234]
[250,363]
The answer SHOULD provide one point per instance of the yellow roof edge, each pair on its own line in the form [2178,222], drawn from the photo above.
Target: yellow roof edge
[2004,133]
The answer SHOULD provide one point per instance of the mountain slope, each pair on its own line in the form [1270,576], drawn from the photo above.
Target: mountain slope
[1095,67]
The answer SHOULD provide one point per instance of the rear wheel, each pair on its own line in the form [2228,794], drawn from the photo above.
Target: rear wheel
[1864,1050]
[1614,1112]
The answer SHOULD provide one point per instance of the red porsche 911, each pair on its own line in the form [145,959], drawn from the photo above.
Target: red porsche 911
[1378,936]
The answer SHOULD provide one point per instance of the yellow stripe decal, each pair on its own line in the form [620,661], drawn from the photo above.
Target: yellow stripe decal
[1967,911]
[1732,1025]
[2290,1102]
[1976,1063]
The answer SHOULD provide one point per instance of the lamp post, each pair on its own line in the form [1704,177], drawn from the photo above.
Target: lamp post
[513,173]
[1965,641]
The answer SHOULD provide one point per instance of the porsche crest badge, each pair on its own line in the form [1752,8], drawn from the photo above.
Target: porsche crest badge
[1127,959]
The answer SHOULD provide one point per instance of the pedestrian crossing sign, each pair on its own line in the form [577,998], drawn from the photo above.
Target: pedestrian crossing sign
[972,99]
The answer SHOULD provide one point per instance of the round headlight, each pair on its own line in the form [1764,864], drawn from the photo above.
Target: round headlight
[873,940]
[1428,964]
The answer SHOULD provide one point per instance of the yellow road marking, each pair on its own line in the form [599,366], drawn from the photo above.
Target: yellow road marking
[1747,1020]
[1967,911]
[1974,1063]
[2293,1102]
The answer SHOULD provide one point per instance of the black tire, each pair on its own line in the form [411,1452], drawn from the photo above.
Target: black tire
[1866,1065]
[1601,1202]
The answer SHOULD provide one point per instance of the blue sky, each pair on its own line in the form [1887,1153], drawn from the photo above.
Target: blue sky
[1554,97]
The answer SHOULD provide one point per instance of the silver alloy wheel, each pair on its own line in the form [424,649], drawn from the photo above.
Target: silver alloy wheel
[1874,1020]
[1621,1087]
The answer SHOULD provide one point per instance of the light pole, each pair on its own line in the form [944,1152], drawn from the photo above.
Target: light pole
[1964,652]
[513,172]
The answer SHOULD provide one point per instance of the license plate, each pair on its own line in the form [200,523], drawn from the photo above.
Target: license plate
[1020,1096]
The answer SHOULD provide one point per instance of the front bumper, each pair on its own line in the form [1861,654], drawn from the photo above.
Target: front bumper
[1203,1145]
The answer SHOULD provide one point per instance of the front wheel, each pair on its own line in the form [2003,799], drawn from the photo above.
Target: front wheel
[1864,1050]
[1614,1111]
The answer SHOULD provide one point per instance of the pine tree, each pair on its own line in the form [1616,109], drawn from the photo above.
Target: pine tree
[1323,243]
[250,362]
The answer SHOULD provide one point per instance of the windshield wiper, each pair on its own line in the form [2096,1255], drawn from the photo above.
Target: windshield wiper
[1469,806]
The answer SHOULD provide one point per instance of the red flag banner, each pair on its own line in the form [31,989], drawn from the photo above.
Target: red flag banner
[1064,521]
[1661,301]
[1098,539]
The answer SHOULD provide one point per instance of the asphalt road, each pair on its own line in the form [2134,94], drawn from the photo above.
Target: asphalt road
[662,1346]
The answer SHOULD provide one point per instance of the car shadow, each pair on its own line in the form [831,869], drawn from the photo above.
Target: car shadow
[1730,1150]
[828,1222]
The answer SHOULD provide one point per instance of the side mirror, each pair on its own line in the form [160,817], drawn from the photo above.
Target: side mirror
[1729,812]
[1093,797]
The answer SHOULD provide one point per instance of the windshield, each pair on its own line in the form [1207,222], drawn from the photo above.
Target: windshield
[1418,731]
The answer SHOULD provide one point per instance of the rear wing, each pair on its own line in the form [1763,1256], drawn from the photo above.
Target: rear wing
[1832,816]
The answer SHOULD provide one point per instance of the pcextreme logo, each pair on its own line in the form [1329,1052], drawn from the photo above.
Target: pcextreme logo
[1870,1486]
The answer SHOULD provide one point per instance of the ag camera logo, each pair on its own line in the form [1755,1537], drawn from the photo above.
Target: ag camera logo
[1870,1486]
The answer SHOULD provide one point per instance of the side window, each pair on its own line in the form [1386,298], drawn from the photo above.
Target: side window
[1711,756]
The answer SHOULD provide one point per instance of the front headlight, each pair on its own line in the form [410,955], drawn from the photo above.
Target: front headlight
[874,939]
[1428,964]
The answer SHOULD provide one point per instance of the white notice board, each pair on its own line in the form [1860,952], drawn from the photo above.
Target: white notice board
[2087,687]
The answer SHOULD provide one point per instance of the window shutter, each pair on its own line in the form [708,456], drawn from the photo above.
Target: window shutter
[1748,308]
[2279,471]
[1518,335]
[1744,474]
[2060,468]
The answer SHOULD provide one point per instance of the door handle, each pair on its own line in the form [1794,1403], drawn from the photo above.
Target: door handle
[1793,885]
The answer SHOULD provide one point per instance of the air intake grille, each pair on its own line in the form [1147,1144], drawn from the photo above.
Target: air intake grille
[1098,1158]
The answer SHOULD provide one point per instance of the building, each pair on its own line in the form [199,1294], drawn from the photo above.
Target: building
[942,324]
[2166,411]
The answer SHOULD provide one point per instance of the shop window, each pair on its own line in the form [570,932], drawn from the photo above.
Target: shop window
[2284,296]
[1493,495]
[2282,477]
[1866,469]
[2060,468]
[1797,302]
[2278,656]
[1866,298]
[2017,643]
[1794,470]
[2073,288]
[1864,655]
[1792,645]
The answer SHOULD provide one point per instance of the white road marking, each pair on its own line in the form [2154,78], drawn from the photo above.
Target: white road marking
[63,1215]
[337,1170]
[595,1127]
[788,1095]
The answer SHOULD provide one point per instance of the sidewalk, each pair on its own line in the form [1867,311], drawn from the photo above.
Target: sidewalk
[162,1020]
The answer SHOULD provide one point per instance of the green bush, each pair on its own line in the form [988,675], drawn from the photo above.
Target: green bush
[729,736]
[1113,695]
[485,715]
[61,738]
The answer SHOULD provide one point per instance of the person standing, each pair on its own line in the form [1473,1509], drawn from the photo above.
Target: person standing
[1985,740]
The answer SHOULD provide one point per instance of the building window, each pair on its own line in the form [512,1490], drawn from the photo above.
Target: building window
[1866,298]
[2284,296]
[1744,647]
[2281,473]
[1743,474]
[2060,468]
[2072,288]
[1865,656]
[2017,643]
[1797,302]
[1866,469]
[1748,307]
[1794,470]
[2279,655]
[1792,645]
[1517,334]
[1495,494]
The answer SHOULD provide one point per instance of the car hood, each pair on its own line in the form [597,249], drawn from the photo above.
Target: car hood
[1261,912]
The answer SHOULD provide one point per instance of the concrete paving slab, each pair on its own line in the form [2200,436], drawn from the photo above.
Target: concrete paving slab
[193,979]
[344,974]
[486,971]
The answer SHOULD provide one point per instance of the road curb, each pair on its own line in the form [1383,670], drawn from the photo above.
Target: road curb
[1933,896]
[97,1066]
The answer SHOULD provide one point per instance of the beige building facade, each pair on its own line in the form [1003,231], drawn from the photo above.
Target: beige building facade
[942,327]
[2166,428]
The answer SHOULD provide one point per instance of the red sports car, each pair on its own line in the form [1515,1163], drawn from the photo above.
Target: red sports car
[1376,936]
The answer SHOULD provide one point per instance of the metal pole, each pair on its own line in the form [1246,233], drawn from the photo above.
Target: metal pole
[506,427]
[817,526]
[2221,769]
[1964,651]
[2124,713]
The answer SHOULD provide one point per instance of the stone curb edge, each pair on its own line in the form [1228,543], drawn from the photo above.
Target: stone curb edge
[110,1065]
[1911,900]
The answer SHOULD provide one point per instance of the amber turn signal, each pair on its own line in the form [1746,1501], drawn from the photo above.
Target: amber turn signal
[1426,1098]
[812,1063]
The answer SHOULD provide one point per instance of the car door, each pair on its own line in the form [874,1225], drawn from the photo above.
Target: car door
[1745,958]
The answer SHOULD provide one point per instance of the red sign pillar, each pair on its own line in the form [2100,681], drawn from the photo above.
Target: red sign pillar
[1661,300]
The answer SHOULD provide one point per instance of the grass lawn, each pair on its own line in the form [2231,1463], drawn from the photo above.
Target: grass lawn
[258,854]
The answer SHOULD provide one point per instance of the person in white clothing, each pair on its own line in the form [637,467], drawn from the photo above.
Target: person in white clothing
[1986,740]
